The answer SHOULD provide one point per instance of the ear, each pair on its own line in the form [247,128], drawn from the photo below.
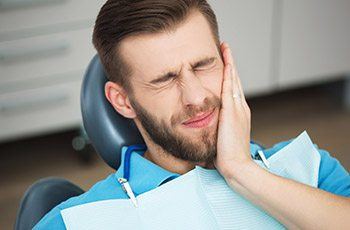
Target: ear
[119,99]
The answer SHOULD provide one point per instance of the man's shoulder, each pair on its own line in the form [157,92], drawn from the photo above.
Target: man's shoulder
[332,177]
[105,189]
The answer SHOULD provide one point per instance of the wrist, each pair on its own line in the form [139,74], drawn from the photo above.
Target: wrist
[240,172]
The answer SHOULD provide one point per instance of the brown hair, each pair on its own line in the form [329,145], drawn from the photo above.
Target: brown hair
[119,19]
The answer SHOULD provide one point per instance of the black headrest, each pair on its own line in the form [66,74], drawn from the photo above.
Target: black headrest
[107,129]
[41,197]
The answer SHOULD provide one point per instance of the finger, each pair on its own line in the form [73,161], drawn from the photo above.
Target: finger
[233,73]
[236,80]
[237,85]
[242,93]
[243,99]
[227,86]
[239,88]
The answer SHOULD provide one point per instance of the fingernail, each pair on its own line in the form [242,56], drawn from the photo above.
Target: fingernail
[229,50]
[229,67]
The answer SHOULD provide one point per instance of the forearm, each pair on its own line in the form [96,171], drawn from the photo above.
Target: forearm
[294,204]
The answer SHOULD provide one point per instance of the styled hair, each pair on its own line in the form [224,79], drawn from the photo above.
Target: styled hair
[119,19]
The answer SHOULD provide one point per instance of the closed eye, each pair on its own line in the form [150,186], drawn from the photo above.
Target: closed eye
[204,64]
[208,67]
[165,78]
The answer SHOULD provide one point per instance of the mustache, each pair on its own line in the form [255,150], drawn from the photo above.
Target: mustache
[191,111]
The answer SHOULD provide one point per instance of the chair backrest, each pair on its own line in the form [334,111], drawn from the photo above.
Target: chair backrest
[40,198]
[107,129]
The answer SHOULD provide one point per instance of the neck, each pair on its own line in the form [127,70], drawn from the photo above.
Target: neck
[171,163]
[168,162]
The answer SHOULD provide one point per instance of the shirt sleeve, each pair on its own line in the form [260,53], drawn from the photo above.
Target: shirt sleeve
[333,177]
[52,220]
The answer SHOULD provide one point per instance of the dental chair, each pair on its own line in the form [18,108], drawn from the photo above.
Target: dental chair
[108,132]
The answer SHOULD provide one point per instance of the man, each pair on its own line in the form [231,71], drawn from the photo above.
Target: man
[169,72]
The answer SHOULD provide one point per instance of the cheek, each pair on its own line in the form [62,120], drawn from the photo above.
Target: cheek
[164,106]
[213,81]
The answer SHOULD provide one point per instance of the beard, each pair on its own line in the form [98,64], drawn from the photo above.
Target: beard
[201,149]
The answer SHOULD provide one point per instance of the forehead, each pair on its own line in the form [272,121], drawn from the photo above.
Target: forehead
[152,54]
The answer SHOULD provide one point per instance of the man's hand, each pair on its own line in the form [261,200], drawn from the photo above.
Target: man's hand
[295,205]
[234,120]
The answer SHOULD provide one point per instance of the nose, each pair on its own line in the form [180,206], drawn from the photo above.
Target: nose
[193,92]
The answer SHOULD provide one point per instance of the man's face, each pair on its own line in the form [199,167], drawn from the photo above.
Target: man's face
[191,70]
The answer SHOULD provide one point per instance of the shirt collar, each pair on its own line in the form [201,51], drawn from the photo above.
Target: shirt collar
[144,174]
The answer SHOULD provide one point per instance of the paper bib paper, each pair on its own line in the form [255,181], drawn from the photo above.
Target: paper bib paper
[199,199]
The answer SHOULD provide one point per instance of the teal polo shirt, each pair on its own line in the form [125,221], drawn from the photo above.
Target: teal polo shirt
[145,176]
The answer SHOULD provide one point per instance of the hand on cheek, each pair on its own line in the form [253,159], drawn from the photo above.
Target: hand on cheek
[234,120]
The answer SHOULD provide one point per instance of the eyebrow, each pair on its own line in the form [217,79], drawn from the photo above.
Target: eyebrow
[171,74]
